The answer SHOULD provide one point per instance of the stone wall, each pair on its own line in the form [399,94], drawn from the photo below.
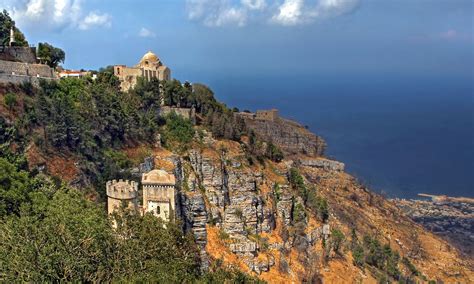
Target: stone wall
[271,115]
[188,113]
[26,69]
[19,79]
[18,53]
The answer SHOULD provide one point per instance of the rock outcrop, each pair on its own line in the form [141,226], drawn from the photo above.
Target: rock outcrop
[291,137]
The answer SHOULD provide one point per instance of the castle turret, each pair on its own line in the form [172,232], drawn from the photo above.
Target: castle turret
[159,194]
[119,192]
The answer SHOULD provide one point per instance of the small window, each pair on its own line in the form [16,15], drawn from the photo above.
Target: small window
[158,210]
[118,71]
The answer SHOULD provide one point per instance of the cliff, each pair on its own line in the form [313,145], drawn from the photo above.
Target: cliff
[290,136]
[246,216]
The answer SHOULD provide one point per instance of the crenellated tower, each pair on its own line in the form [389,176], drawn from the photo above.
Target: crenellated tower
[119,192]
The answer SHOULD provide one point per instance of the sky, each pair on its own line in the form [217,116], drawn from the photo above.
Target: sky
[199,38]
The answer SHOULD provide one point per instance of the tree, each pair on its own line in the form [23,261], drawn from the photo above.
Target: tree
[6,23]
[50,55]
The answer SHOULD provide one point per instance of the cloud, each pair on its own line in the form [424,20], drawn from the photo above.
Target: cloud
[95,19]
[54,14]
[144,32]
[294,12]
[216,13]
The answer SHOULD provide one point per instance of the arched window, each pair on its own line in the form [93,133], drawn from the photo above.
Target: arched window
[118,71]
[158,210]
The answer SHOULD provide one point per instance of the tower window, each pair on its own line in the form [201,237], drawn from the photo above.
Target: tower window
[157,209]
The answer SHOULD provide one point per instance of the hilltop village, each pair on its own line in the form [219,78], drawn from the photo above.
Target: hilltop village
[128,175]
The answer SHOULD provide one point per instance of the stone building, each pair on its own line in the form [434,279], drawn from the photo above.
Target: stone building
[150,66]
[159,194]
[121,192]
[271,115]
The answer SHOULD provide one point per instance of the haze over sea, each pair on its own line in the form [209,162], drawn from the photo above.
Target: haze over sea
[398,134]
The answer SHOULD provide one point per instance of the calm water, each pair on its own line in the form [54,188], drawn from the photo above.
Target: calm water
[401,135]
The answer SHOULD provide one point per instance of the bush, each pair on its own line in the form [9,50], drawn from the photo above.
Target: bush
[337,240]
[10,100]
[178,132]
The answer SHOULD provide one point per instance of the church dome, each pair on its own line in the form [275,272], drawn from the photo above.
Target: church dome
[159,177]
[150,57]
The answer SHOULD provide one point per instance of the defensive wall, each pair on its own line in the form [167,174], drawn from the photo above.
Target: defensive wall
[18,54]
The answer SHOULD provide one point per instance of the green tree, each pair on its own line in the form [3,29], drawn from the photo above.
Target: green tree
[6,23]
[50,55]
[14,188]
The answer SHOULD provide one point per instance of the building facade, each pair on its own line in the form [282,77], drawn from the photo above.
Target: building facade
[150,66]
[159,194]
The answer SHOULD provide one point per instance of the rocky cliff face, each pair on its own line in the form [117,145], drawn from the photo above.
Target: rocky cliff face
[290,136]
[246,215]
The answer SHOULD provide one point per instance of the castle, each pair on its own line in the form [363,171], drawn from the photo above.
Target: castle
[158,196]
[150,66]
[19,64]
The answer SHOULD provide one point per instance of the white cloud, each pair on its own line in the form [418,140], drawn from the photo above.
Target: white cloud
[217,13]
[290,13]
[144,32]
[54,14]
[294,12]
[95,19]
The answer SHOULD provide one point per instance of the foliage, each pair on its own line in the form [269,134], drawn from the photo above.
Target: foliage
[274,153]
[50,55]
[178,132]
[312,200]
[14,187]
[6,23]
[10,100]
[337,240]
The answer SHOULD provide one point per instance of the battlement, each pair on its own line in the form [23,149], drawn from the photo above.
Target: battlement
[122,190]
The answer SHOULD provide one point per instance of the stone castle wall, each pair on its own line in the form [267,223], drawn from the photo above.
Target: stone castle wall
[18,54]
[19,79]
[26,69]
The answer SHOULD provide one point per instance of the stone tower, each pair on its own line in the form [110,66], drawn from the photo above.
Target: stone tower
[119,192]
[159,194]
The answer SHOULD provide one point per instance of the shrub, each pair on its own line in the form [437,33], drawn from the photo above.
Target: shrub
[337,240]
[10,100]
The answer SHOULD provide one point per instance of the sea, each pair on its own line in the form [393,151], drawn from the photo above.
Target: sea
[399,134]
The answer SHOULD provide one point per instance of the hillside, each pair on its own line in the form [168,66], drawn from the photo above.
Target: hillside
[264,202]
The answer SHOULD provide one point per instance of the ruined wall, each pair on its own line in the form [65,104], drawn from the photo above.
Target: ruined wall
[188,113]
[18,54]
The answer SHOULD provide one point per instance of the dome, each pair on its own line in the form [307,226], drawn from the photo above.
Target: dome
[158,177]
[150,57]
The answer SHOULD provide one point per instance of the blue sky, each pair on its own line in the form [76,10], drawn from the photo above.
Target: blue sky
[255,37]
